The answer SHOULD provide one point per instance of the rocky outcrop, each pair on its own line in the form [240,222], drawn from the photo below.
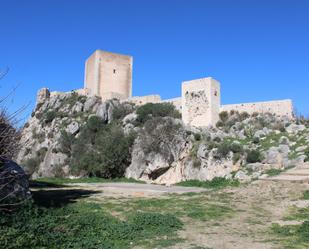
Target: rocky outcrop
[41,153]
[165,151]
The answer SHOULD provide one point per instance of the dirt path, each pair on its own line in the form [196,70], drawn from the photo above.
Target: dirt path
[258,205]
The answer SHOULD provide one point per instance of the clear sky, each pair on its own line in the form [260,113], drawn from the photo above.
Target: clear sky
[257,49]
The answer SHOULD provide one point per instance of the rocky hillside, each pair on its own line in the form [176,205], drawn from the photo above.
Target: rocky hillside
[74,135]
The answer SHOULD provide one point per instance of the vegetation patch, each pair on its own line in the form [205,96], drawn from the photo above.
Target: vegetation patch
[306,195]
[82,225]
[217,182]
[150,110]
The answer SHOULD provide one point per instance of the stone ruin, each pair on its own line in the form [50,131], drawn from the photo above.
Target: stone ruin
[109,75]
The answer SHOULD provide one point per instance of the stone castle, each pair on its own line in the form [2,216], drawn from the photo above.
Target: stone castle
[109,75]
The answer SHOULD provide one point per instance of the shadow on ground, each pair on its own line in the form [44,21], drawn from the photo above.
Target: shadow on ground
[38,184]
[59,197]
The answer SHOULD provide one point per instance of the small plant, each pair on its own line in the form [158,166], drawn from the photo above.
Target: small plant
[254,156]
[224,116]
[49,116]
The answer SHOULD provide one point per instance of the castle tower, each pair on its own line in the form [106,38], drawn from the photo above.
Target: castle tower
[201,102]
[109,75]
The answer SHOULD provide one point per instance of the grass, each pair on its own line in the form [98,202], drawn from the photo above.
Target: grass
[216,183]
[295,236]
[306,195]
[85,225]
[203,206]
[273,172]
[61,181]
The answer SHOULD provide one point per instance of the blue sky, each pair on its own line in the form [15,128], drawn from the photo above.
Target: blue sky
[257,49]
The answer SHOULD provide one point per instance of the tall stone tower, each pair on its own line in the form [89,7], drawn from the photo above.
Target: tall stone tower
[109,75]
[201,102]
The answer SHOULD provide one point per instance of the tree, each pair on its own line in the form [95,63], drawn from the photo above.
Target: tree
[12,177]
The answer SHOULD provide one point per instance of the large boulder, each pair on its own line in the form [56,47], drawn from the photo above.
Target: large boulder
[14,185]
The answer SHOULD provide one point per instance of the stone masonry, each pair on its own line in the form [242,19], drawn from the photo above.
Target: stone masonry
[109,75]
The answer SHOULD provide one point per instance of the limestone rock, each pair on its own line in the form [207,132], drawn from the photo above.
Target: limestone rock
[43,95]
[14,183]
[73,128]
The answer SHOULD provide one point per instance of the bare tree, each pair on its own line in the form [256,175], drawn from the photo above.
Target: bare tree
[12,177]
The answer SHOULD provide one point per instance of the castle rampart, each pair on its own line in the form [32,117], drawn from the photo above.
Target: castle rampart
[109,76]
[278,107]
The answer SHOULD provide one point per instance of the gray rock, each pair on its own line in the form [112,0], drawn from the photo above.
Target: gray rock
[294,128]
[129,118]
[284,140]
[301,148]
[90,102]
[42,95]
[73,128]
[14,184]
[102,111]
[242,176]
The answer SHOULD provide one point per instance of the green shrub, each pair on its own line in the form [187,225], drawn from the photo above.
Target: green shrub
[102,152]
[307,154]
[222,151]
[254,156]
[236,147]
[244,115]
[224,116]
[66,142]
[197,137]
[306,195]
[122,110]
[49,116]
[161,136]
[151,110]
[95,123]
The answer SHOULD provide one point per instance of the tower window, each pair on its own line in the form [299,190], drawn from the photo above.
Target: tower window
[114,70]
[216,93]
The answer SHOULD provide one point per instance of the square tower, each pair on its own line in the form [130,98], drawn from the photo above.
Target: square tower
[201,102]
[109,75]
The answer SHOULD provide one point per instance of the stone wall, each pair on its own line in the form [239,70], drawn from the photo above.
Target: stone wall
[109,73]
[200,102]
[144,99]
[279,107]
[177,102]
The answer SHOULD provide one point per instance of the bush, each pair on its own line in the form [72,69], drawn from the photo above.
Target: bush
[224,116]
[253,156]
[151,110]
[49,116]
[162,136]
[101,150]
[222,151]
[66,142]
[122,110]
[226,147]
